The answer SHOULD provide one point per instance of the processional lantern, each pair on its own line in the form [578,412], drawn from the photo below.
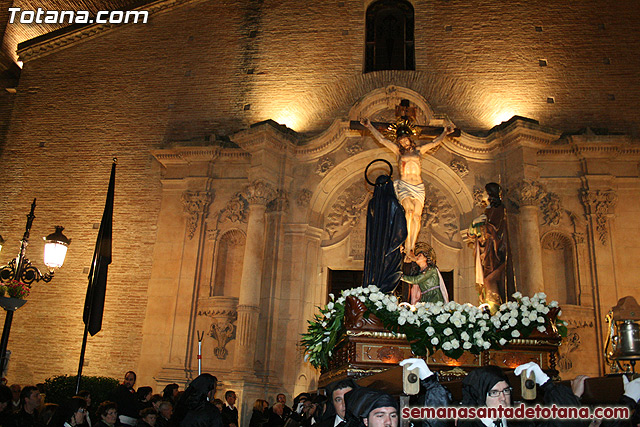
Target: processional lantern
[623,341]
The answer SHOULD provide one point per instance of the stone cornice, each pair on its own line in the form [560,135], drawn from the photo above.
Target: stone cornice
[326,141]
[72,35]
[264,134]
[182,156]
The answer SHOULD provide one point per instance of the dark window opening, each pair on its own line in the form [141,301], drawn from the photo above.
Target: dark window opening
[389,36]
[339,280]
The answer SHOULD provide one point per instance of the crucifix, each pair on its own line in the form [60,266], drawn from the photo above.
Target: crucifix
[402,139]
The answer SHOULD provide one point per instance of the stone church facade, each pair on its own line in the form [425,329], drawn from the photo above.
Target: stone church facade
[240,181]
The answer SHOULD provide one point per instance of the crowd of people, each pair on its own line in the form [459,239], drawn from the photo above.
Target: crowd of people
[341,404]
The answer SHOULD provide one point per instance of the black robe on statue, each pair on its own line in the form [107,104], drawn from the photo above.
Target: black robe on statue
[386,232]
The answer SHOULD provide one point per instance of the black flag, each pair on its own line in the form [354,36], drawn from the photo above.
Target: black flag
[94,301]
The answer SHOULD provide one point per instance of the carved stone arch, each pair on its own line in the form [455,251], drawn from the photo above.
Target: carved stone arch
[559,272]
[387,98]
[229,256]
[352,169]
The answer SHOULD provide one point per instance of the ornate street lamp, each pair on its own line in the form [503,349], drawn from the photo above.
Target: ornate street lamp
[18,275]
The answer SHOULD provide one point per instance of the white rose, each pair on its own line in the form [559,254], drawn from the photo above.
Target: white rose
[378,305]
[513,321]
[467,345]
[362,298]
[553,304]
[430,330]
[540,319]
[533,316]
[542,328]
[446,346]
[464,335]
[330,306]
[346,292]
[373,288]
[435,341]
[486,345]
[447,331]
[526,321]
[545,310]
[402,320]
[517,295]
[515,333]
[502,341]
[374,297]
[392,307]
[455,343]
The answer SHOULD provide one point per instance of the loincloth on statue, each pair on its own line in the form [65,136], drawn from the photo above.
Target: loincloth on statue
[405,190]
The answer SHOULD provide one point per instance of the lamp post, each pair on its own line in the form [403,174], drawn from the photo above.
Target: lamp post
[19,272]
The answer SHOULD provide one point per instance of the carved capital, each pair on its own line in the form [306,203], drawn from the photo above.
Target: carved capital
[280,202]
[325,164]
[195,203]
[259,192]
[529,193]
[304,197]
[600,204]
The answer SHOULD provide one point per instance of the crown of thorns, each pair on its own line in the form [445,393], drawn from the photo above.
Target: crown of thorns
[403,127]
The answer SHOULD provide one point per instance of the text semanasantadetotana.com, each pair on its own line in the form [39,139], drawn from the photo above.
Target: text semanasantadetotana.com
[516,412]
[43,16]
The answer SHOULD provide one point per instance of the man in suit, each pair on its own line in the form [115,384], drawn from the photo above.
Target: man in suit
[229,410]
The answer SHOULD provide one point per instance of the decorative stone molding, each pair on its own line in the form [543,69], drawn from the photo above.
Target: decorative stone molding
[236,210]
[259,192]
[325,164]
[551,209]
[195,203]
[354,147]
[346,211]
[223,331]
[529,193]
[304,197]
[477,198]
[568,346]
[223,313]
[459,166]
[600,204]
[280,202]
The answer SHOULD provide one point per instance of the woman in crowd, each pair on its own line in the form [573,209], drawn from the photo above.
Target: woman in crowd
[108,413]
[259,418]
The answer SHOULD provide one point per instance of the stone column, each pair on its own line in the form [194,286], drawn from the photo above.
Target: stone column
[528,195]
[258,194]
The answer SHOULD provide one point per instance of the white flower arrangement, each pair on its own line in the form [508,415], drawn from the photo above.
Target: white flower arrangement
[452,327]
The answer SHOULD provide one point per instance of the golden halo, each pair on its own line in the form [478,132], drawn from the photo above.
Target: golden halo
[401,127]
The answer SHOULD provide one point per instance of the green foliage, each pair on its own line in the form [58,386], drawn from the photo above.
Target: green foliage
[60,388]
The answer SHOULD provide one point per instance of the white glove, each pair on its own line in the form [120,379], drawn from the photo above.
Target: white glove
[423,370]
[541,377]
[631,388]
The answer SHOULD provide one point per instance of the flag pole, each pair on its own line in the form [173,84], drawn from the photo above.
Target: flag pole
[98,273]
